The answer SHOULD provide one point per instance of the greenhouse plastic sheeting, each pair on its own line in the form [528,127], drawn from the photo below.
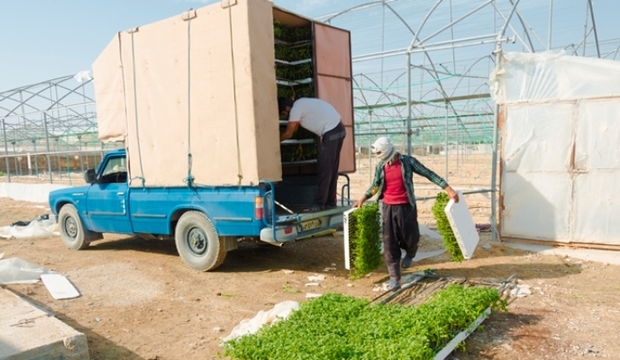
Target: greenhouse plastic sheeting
[560,129]
[553,76]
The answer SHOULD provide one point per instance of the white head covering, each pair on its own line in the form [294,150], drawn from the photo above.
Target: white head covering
[383,148]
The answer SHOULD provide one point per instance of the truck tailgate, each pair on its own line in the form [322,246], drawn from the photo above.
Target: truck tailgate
[291,226]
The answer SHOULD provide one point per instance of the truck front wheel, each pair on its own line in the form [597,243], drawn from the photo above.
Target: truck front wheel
[72,232]
[197,242]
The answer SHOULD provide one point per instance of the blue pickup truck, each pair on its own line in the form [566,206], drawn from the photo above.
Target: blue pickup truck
[205,222]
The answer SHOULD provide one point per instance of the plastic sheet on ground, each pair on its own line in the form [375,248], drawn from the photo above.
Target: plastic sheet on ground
[18,271]
[425,255]
[520,291]
[44,227]
[424,230]
[250,326]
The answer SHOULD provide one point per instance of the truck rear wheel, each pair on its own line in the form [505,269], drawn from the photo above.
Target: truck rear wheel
[72,232]
[197,242]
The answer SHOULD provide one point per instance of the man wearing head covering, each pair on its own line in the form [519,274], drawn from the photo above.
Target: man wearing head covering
[393,182]
[322,119]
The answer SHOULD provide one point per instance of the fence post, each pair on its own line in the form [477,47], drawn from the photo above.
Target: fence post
[6,152]
[47,142]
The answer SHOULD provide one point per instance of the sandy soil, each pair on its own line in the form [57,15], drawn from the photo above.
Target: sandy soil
[139,301]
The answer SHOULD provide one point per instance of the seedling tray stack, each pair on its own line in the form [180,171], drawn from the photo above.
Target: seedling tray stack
[362,241]
[295,79]
[312,60]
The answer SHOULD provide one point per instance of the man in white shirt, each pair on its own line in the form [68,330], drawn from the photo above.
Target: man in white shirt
[322,119]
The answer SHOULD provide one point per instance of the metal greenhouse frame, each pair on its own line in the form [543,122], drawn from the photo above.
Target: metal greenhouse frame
[50,127]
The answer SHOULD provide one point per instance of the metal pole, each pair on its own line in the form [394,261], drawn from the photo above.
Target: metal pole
[452,38]
[56,149]
[36,157]
[382,37]
[6,151]
[80,149]
[47,143]
[498,56]
[446,142]
[585,30]
[457,144]
[370,140]
[68,159]
[14,156]
[598,50]
[408,103]
[550,24]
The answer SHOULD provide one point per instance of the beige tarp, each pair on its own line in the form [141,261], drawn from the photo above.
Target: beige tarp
[199,84]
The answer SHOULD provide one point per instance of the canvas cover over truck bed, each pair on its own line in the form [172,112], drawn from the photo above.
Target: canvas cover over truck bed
[195,96]
[161,88]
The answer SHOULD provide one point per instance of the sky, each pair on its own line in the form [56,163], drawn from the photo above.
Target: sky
[45,39]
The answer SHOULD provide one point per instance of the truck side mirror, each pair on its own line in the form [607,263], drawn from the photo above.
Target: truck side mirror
[89,176]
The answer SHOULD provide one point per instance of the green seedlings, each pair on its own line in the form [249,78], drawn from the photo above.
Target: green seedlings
[365,244]
[444,228]
[336,326]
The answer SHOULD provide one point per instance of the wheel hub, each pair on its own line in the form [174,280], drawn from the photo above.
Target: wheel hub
[71,227]
[197,241]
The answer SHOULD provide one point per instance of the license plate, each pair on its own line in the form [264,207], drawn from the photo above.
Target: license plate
[311,225]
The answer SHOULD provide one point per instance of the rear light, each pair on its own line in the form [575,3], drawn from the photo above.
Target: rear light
[288,230]
[258,208]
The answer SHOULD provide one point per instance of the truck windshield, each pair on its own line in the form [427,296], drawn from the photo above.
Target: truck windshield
[115,171]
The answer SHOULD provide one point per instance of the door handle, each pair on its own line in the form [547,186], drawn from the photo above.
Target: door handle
[120,193]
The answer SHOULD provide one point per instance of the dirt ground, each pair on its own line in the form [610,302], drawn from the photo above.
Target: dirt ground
[139,301]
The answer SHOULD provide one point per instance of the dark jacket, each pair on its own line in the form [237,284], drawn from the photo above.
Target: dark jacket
[409,166]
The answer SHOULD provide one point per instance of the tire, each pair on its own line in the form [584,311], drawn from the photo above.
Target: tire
[72,232]
[197,242]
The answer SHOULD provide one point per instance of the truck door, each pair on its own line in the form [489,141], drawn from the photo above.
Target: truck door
[107,199]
